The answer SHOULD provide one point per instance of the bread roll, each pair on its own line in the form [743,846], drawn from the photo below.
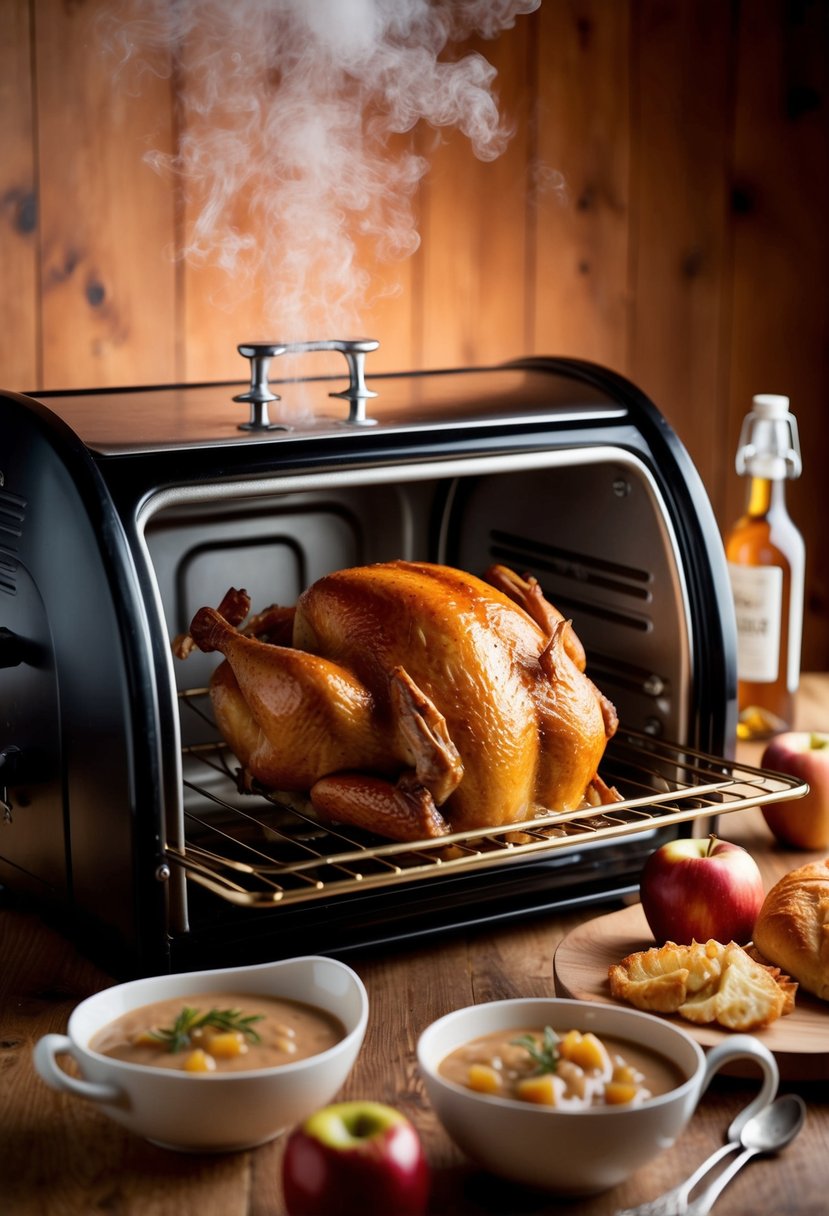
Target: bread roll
[792,929]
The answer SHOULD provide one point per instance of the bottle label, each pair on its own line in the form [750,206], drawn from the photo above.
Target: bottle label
[758,601]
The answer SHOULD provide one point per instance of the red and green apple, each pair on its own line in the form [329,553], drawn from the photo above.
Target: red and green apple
[802,823]
[696,889]
[355,1157]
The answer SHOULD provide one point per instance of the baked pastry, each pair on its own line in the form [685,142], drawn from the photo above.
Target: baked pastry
[705,982]
[792,928]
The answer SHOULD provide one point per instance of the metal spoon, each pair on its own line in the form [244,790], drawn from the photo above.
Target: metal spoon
[770,1130]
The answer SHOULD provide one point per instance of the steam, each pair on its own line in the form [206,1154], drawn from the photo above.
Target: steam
[296,122]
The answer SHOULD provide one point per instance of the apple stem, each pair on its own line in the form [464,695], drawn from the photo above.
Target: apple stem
[712,840]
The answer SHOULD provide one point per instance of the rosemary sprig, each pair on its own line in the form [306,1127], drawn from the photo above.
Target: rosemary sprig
[178,1036]
[545,1053]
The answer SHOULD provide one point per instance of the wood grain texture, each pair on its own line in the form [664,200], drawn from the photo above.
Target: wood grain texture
[19,329]
[660,209]
[472,300]
[779,204]
[106,220]
[220,304]
[581,203]
[288,204]
[680,240]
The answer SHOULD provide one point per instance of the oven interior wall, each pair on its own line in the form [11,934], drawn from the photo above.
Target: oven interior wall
[591,532]
[275,547]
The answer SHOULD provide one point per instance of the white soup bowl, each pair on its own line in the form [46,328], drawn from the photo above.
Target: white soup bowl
[582,1151]
[219,1111]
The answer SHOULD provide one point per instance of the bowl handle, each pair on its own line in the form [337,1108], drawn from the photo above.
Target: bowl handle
[52,1045]
[744,1046]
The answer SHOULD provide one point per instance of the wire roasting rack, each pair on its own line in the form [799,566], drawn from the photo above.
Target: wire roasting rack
[261,848]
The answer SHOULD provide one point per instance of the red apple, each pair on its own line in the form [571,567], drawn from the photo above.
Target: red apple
[803,822]
[694,890]
[355,1157]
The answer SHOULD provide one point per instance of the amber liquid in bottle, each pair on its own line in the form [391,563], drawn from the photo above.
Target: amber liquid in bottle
[766,557]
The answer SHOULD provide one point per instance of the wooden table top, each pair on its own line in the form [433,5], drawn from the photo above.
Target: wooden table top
[62,1157]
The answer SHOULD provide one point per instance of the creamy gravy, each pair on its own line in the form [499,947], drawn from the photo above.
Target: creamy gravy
[287,1031]
[588,1071]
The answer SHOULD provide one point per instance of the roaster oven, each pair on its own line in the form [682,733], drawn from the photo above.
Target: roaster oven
[123,512]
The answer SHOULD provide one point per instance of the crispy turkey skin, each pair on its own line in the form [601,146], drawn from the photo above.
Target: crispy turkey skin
[411,698]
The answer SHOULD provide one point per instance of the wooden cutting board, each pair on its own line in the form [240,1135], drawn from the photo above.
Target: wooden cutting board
[799,1041]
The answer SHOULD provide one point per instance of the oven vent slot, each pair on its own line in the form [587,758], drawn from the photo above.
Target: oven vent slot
[12,517]
[584,584]
[568,564]
[12,514]
[8,574]
[607,671]
[261,850]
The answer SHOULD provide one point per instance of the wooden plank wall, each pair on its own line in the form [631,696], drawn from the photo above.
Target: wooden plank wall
[662,209]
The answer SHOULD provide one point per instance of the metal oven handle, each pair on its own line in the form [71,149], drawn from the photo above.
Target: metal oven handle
[259,394]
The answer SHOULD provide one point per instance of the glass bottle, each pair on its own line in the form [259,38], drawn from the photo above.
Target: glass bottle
[766,563]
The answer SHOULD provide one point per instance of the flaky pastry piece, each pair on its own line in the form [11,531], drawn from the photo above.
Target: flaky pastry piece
[786,983]
[704,983]
[792,927]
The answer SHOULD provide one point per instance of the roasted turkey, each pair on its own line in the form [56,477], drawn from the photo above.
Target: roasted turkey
[410,699]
